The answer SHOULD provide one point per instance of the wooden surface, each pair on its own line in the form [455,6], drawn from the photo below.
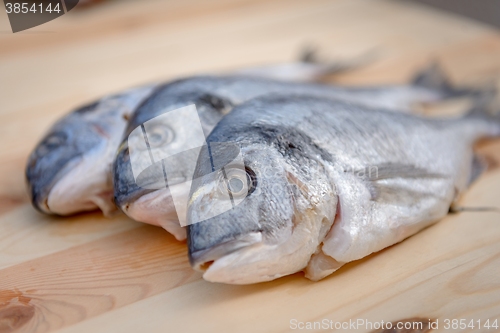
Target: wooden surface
[92,274]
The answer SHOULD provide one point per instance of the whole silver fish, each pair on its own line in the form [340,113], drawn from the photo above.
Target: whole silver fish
[70,169]
[216,96]
[324,183]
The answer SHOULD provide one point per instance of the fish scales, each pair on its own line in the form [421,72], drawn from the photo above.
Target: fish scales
[71,169]
[216,96]
[316,205]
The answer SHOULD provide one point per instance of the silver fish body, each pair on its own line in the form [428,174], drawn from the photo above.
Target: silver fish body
[331,182]
[216,96]
[70,169]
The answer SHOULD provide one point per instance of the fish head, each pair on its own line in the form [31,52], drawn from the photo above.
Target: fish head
[54,171]
[70,169]
[150,198]
[152,204]
[272,227]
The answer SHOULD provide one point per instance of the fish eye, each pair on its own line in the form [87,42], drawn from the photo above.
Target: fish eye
[220,104]
[54,140]
[237,182]
[159,136]
[252,177]
[235,185]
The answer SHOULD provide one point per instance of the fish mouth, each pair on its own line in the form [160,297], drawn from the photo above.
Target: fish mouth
[202,260]
[255,257]
[124,201]
[155,207]
[69,194]
[43,194]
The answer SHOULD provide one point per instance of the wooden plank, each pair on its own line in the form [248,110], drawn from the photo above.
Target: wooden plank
[434,275]
[84,281]
[96,274]
[260,33]
[26,234]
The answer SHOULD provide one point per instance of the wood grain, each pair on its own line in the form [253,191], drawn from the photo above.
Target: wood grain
[90,273]
[26,234]
[424,277]
[84,281]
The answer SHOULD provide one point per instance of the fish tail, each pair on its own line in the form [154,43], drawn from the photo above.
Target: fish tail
[486,112]
[433,77]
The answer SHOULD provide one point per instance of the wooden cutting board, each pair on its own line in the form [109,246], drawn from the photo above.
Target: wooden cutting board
[93,274]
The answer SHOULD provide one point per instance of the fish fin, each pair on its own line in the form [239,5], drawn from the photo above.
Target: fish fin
[479,165]
[395,170]
[320,266]
[487,114]
[485,108]
[433,77]
[394,194]
[310,55]
[309,68]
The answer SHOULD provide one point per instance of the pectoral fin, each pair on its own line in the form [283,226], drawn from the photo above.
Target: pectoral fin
[379,181]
